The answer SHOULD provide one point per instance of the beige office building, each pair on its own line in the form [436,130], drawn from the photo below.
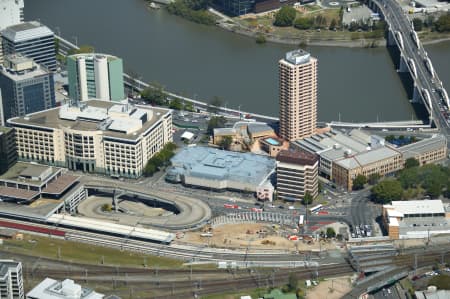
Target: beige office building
[94,136]
[298,95]
[297,173]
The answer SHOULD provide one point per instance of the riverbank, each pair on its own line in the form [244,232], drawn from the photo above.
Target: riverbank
[263,31]
[307,40]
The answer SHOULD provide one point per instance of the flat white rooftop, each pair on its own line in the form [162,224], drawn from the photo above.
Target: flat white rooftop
[418,207]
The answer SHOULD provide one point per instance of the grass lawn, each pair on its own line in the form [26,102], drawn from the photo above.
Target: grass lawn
[254,293]
[84,253]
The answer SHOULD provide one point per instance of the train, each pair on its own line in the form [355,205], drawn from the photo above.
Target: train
[33,228]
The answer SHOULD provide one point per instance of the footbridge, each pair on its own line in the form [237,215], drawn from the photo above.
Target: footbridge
[416,124]
[411,60]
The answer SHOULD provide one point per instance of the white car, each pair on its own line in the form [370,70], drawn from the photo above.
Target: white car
[291,208]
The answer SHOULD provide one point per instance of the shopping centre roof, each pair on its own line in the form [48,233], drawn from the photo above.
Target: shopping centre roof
[217,164]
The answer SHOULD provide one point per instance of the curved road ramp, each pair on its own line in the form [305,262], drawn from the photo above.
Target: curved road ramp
[192,213]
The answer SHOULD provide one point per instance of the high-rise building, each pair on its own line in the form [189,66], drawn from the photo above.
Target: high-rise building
[31,39]
[25,87]
[297,174]
[11,13]
[8,149]
[11,280]
[298,95]
[95,76]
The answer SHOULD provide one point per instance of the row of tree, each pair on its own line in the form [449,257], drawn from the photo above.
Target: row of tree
[413,181]
[161,159]
[156,95]
[442,24]
[287,16]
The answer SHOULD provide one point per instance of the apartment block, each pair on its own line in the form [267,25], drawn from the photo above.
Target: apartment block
[297,95]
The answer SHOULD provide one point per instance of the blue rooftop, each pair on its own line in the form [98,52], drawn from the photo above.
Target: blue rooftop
[214,164]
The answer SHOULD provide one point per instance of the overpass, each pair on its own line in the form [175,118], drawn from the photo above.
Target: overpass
[411,58]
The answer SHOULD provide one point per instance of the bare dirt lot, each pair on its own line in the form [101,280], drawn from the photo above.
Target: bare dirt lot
[333,288]
[255,235]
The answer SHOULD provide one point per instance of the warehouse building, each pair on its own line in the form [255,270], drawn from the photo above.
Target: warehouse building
[343,156]
[382,161]
[416,219]
[116,139]
[426,151]
[219,170]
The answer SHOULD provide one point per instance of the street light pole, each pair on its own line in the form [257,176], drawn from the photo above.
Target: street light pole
[76,40]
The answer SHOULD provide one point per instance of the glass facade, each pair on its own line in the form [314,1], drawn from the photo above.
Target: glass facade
[236,7]
[23,96]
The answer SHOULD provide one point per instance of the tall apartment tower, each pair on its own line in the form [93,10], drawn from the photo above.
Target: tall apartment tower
[11,13]
[25,87]
[298,95]
[33,40]
[11,280]
[95,76]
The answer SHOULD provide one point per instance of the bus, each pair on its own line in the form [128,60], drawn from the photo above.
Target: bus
[316,208]
[301,220]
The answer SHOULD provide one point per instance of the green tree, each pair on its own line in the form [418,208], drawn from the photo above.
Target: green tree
[176,104]
[387,191]
[188,106]
[193,10]
[292,282]
[149,169]
[389,138]
[330,233]
[154,94]
[443,23]
[359,182]
[333,24]
[215,122]
[434,190]
[285,16]
[411,162]
[373,178]
[303,23]
[308,198]
[417,24]
[107,207]
[214,104]
[226,142]
[260,39]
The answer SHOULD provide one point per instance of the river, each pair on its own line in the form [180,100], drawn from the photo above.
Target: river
[201,62]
